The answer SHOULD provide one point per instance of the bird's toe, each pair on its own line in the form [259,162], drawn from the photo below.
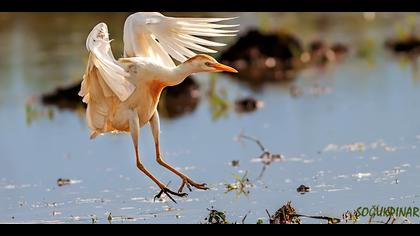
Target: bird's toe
[168,193]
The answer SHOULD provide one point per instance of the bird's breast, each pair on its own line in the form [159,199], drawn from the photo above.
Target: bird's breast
[145,98]
[155,89]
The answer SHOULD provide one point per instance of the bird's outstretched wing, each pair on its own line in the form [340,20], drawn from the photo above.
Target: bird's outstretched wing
[102,69]
[104,81]
[155,36]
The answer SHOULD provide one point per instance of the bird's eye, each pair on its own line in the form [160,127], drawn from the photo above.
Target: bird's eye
[208,63]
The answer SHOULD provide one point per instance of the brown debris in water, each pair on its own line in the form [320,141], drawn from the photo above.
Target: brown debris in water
[240,186]
[266,157]
[216,217]
[285,215]
[302,189]
[61,182]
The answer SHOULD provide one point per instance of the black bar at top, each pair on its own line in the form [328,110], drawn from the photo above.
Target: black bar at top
[212,5]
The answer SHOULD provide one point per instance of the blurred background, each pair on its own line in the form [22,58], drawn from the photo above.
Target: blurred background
[334,97]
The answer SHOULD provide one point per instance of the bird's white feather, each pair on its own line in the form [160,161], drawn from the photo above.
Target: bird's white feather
[102,60]
[161,38]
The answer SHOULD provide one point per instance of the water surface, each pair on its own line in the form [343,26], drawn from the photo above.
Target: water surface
[373,101]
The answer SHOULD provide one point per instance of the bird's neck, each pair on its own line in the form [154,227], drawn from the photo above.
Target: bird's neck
[179,73]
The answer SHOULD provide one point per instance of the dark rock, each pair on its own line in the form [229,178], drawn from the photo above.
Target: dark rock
[247,105]
[234,163]
[322,53]
[409,45]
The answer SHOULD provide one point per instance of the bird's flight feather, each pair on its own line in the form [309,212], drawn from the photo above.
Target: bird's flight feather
[104,81]
[161,38]
[103,65]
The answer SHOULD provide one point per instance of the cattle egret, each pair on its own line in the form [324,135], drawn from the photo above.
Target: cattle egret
[122,95]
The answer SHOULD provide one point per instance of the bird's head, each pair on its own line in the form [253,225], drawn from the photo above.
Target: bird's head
[205,63]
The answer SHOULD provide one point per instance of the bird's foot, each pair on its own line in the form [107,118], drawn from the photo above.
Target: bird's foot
[168,192]
[188,182]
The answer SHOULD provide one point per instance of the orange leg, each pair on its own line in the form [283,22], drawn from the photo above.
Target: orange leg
[186,181]
[134,129]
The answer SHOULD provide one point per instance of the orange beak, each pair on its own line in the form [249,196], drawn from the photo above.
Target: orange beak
[221,67]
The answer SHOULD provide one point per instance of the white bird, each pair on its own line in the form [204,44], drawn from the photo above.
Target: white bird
[122,95]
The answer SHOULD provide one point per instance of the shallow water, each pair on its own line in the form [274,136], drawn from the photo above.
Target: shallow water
[373,101]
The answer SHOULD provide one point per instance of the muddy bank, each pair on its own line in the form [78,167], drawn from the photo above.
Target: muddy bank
[64,97]
[174,102]
[278,57]
[179,100]
[264,57]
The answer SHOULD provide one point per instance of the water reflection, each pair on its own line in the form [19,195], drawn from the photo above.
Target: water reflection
[179,100]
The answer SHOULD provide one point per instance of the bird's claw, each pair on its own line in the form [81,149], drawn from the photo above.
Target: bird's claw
[183,185]
[187,182]
[168,193]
